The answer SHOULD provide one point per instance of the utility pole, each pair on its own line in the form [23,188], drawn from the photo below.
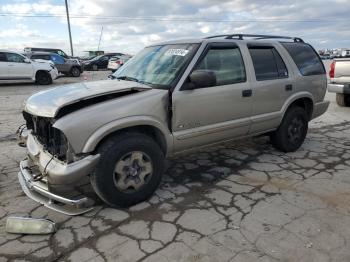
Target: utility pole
[99,41]
[70,34]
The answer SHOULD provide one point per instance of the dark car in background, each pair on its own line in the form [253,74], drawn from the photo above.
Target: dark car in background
[99,62]
[65,66]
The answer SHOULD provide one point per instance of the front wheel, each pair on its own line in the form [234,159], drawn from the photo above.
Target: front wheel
[129,170]
[43,78]
[291,134]
[75,72]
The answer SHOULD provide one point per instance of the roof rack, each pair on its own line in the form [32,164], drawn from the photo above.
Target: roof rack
[256,37]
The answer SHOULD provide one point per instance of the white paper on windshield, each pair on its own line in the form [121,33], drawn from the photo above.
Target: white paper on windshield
[180,52]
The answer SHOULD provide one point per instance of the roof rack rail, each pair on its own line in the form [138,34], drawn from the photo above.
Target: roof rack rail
[256,37]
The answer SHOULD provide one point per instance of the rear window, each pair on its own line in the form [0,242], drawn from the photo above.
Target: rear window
[306,59]
[267,62]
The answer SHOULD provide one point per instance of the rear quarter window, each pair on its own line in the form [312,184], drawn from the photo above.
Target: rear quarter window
[306,59]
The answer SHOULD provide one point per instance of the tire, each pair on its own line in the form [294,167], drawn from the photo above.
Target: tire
[115,178]
[43,78]
[75,72]
[342,99]
[94,68]
[291,133]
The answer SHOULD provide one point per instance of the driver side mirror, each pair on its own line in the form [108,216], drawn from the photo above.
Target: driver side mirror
[27,60]
[200,79]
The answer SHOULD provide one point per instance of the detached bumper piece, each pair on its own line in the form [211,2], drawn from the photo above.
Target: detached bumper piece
[29,225]
[39,191]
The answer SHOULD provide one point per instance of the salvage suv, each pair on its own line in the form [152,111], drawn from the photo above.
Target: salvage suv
[169,98]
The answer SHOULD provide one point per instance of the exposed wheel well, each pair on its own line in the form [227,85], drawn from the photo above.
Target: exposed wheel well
[306,104]
[41,71]
[151,131]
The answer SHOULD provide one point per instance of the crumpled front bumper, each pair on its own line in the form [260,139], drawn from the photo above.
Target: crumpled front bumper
[41,175]
[39,191]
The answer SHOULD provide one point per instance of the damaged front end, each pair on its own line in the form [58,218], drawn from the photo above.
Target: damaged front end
[51,166]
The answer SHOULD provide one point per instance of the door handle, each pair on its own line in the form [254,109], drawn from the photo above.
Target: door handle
[247,93]
[289,87]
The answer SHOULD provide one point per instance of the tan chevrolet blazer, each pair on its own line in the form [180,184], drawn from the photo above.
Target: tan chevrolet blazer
[169,98]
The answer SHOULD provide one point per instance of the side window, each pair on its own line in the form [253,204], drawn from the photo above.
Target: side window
[3,57]
[268,64]
[306,59]
[61,53]
[227,64]
[57,60]
[14,58]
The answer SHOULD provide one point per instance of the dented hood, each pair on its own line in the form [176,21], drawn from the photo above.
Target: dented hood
[47,103]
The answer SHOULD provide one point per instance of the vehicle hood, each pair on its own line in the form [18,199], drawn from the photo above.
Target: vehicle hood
[47,103]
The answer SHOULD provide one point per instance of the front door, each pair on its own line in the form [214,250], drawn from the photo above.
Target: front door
[18,68]
[214,113]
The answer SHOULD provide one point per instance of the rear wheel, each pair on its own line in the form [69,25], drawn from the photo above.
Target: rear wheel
[75,71]
[43,78]
[291,134]
[129,169]
[343,99]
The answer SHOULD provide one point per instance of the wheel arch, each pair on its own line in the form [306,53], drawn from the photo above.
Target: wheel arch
[303,100]
[153,129]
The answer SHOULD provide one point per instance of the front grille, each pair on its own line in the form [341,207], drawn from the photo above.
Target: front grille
[52,139]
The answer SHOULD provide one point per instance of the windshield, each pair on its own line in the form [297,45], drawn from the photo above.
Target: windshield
[157,66]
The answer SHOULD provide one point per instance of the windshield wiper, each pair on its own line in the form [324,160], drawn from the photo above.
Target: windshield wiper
[128,78]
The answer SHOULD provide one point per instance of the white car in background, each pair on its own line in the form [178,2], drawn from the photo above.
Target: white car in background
[117,61]
[14,66]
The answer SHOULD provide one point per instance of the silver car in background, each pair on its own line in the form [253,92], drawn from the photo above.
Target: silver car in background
[117,61]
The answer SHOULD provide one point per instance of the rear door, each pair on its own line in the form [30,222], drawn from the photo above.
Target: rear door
[271,85]
[18,68]
[60,63]
[4,69]
[214,113]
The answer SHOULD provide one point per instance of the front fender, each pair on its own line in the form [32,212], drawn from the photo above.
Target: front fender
[127,122]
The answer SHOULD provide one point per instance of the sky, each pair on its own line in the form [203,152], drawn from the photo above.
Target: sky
[129,25]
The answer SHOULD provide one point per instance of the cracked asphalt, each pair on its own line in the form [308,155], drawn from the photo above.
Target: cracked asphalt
[240,201]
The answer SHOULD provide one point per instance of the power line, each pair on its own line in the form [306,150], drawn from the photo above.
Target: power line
[168,19]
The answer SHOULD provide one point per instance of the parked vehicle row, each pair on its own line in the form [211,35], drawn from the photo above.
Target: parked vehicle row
[15,66]
[99,62]
[65,66]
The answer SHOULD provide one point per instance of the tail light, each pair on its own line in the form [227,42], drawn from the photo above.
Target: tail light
[119,62]
[332,70]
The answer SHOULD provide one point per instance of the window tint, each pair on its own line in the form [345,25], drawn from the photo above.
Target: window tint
[57,60]
[44,57]
[14,58]
[3,57]
[268,64]
[227,64]
[305,58]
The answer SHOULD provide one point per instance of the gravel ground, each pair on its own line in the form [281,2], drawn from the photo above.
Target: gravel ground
[240,201]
